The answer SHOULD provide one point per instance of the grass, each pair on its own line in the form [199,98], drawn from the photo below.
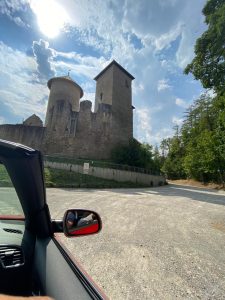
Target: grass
[5,180]
[62,178]
[65,179]
[98,163]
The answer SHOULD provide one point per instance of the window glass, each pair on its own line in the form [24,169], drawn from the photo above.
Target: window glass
[9,201]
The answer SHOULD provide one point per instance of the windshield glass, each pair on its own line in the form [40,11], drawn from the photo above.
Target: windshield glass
[9,201]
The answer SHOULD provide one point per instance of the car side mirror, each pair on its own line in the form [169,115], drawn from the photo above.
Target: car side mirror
[78,222]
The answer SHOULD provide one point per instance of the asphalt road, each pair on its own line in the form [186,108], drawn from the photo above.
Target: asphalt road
[157,243]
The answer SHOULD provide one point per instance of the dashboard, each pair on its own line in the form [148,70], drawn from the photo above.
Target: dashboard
[16,258]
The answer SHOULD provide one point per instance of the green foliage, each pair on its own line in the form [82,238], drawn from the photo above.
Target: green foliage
[158,159]
[67,179]
[135,154]
[200,161]
[5,180]
[202,134]
[173,163]
[197,150]
[208,64]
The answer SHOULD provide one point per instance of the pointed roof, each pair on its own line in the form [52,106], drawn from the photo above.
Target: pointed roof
[116,64]
[33,120]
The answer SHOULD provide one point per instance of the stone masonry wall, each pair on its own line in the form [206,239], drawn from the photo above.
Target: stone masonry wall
[122,107]
[112,174]
[104,89]
[31,136]
[72,129]
[92,137]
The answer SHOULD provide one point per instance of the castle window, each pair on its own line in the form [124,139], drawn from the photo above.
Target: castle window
[73,123]
[51,115]
[126,83]
[60,105]
[101,96]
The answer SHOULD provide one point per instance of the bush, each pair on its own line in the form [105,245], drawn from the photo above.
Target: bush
[135,154]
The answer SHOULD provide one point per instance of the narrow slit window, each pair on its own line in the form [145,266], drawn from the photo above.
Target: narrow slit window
[73,123]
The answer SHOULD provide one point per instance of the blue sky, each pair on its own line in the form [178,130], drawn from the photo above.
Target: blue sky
[153,39]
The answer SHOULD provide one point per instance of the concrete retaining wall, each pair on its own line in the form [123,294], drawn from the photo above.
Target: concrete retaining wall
[112,174]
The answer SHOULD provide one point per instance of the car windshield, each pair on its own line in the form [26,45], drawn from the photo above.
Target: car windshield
[9,201]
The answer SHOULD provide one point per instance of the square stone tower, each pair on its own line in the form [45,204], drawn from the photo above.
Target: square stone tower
[114,93]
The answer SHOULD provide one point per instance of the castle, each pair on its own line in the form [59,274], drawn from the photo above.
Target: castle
[71,128]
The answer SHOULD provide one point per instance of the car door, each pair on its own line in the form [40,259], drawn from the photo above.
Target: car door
[51,269]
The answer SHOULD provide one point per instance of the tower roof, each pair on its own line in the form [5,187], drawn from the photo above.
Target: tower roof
[68,79]
[119,66]
[33,120]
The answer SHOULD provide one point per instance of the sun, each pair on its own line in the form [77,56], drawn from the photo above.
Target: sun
[51,16]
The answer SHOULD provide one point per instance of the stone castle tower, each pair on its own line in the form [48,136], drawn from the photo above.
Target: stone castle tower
[63,105]
[114,90]
[71,128]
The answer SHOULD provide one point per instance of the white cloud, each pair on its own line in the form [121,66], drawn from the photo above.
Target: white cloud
[211,93]
[163,85]
[180,102]
[144,129]
[177,121]
[2,120]
[88,66]
[43,56]
[160,134]
[20,90]
[192,29]
[11,7]
[165,39]
[161,27]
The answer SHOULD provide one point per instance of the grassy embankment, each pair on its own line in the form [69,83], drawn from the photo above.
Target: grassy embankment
[4,177]
[66,179]
[62,178]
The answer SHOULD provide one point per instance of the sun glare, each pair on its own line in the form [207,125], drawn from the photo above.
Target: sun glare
[51,16]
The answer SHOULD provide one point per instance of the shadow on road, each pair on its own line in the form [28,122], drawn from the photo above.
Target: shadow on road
[183,191]
[171,190]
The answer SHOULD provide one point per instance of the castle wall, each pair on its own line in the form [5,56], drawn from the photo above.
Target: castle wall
[104,89]
[31,136]
[115,88]
[72,129]
[112,174]
[122,106]
[62,92]
[92,137]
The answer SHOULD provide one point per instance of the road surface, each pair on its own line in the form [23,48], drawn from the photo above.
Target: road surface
[157,243]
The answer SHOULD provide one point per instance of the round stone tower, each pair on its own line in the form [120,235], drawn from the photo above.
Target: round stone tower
[63,105]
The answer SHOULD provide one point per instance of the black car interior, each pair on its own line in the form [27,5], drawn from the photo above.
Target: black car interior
[31,260]
[16,255]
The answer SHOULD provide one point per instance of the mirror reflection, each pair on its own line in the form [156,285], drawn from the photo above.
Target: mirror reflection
[81,222]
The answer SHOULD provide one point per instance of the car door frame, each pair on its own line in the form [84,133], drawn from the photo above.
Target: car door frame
[26,170]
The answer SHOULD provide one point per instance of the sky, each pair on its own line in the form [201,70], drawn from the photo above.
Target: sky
[152,39]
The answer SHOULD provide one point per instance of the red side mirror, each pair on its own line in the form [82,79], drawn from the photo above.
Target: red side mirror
[78,222]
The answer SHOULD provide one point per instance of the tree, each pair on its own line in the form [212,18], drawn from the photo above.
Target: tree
[200,161]
[208,64]
[173,164]
[134,154]
[199,150]
[158,159]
